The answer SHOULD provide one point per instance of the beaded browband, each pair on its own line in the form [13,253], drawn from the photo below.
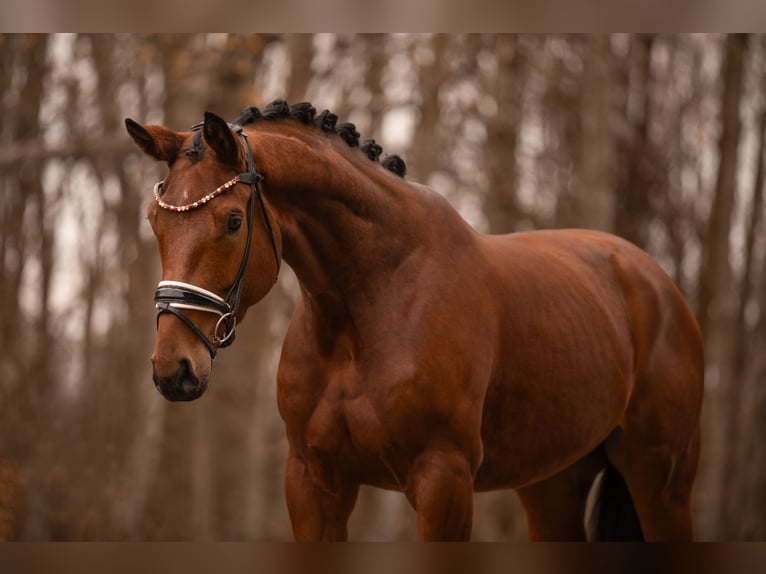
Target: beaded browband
[201,201]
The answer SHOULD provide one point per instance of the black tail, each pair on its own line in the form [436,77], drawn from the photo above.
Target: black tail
[614,518]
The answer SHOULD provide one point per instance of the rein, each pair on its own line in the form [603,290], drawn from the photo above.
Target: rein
[175,296]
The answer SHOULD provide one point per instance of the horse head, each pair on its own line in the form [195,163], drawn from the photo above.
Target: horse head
[219,247]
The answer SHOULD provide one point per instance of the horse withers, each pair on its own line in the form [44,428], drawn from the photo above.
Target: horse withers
[424,356]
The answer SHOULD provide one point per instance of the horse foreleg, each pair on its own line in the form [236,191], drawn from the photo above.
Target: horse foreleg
[318,513]
[440,489]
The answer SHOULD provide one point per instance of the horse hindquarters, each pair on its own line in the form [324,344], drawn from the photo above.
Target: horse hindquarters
[652,454]
[656,445]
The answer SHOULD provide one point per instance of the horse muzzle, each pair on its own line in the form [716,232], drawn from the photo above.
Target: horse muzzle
[182,385]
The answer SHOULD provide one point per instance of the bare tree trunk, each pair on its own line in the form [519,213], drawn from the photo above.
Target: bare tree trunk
[13,254]
[633,192]
[301,50]
[676,209]
[187,78]
[717,308]
[425,156]
[375,48]
[562,110]
[28,355]
[742,391]
[500,204]
[593,173]
[716,274]
[11,267]
[751,486]
[233,68]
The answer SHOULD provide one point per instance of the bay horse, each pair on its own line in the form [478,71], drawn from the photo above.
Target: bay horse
[424,356]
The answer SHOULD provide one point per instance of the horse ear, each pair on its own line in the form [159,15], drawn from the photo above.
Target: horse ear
[157,141]
[220,138]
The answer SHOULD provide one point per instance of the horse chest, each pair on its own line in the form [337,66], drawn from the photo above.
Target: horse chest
[336,427]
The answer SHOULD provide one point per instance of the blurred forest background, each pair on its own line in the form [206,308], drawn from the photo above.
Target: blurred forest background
[658,138]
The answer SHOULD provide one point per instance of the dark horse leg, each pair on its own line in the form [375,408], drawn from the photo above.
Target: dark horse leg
[318,512]
[555,507]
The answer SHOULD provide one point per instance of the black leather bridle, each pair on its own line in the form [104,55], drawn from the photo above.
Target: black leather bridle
[175,296]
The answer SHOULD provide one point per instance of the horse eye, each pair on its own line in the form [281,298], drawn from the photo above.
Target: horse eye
[234,223]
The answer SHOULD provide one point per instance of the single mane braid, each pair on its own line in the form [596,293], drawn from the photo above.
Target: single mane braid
[327,121]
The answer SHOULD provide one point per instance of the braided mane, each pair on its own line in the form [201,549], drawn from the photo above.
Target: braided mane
[327,121]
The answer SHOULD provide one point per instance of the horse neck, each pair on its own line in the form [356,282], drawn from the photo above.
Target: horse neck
[347,223]
[342,217]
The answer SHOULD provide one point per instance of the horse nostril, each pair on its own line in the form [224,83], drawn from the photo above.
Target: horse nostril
[187,379]
[184,367]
